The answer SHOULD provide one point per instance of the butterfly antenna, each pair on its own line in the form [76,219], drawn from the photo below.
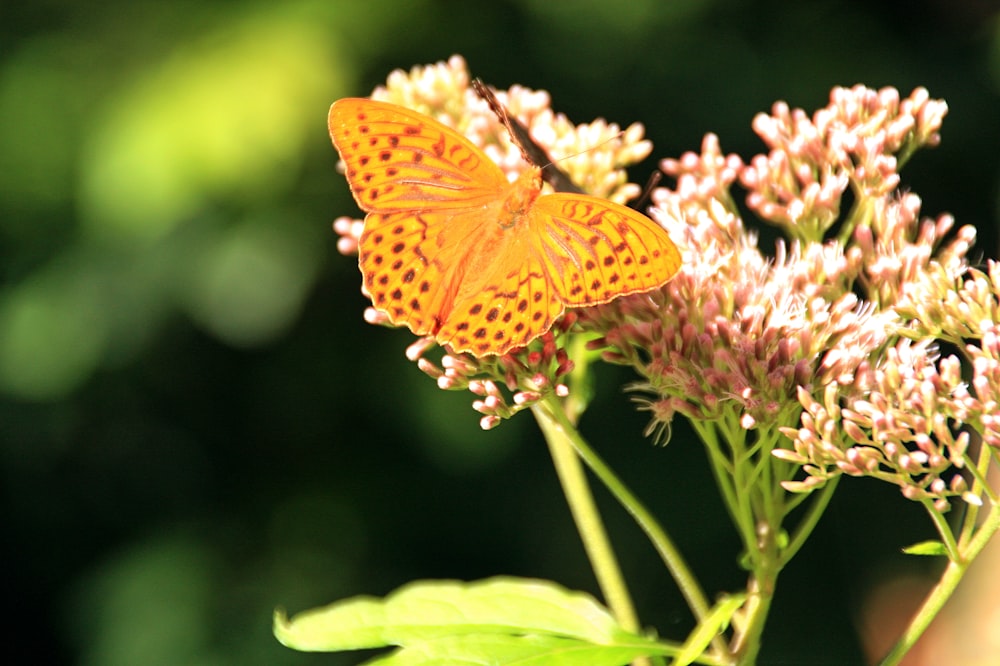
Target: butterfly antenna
[514,127]
[530,151]
[647,193]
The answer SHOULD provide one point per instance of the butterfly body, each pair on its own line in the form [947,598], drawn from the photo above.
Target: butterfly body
[453,250]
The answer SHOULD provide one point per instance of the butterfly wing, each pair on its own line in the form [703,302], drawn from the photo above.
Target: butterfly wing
[595,250]
[441,254]
[399,160]
[414,265]
[478,288]
[428,192]
[503,304]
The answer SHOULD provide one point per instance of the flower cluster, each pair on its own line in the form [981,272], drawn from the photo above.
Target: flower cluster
[593,155]
[833,342]
[908,416]
[896,423]
[859,139]
[734,333]
[527,375]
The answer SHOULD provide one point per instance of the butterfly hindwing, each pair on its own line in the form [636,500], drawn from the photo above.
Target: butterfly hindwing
[513,303]
[596,250]
[395,274]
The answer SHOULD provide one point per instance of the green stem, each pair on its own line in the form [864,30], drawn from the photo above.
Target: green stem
[746,642]
[938,596]
[749,479]
[585,514]
[761,512]
[980,486]
[943,529]
[805,527]
[724,472]
[860,213]
[551,417]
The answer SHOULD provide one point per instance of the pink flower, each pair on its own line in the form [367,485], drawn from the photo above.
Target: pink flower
[832,342]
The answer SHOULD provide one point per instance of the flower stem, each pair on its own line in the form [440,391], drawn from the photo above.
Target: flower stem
[970,543]
[938,596]
[805,527]
[588,521]
[746,643]
[554,423]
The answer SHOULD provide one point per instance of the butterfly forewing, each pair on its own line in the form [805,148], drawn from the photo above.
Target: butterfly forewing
[400,160]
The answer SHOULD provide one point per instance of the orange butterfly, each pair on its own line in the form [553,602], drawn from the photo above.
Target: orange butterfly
[453,250]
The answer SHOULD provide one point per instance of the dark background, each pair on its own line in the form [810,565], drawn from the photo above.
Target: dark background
[195,423]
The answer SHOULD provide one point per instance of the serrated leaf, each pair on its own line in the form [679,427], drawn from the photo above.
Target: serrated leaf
[933,548]
[428,610]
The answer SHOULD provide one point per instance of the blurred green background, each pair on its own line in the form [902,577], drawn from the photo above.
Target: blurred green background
[195,423]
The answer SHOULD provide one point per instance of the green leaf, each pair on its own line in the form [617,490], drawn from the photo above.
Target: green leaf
[495,621]
[498,650]
[934,548]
